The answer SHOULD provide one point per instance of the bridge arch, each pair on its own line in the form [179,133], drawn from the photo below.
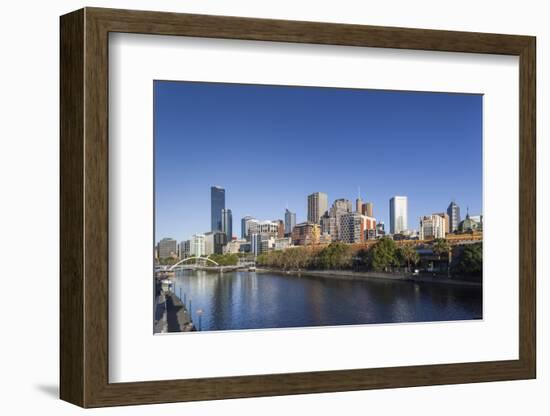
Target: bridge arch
[193,258]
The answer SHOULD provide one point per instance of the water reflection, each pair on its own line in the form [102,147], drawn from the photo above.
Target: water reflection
[246,300]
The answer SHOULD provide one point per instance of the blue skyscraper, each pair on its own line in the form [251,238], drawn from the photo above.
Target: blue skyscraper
[217,204]
[290,221]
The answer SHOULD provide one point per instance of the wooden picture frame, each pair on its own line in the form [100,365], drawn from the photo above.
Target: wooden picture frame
[84,207]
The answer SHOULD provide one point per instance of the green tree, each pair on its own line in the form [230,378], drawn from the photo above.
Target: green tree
[409,255]
[470,262]
[442,247]
[335,256]
[383,254]
[168,261]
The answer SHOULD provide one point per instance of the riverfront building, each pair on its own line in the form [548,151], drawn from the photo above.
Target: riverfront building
[283,243]
[432,227]
[198,245]
[453,211]
[290,221]
[317,204]
[217,204]
[227,223]
[167,247]
[306,233]
[398,214]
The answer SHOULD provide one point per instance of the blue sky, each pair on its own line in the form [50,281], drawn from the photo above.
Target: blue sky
[271,146]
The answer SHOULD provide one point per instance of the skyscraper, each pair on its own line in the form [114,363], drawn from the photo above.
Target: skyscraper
[197,245]
[453,211]
[244,226]
[368,209]
[398,214]
[359,205]
[227,223]
[317,204]
[290,221]
[217,204]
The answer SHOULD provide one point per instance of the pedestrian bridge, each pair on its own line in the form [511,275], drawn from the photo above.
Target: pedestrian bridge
[205,263]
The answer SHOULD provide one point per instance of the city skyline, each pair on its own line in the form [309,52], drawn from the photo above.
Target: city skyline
[294,137]
[364,204]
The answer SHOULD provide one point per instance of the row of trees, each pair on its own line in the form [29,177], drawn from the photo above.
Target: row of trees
[385,255]
[225,259]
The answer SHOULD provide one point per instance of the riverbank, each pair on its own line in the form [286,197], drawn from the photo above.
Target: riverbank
[171,314]
[353,275]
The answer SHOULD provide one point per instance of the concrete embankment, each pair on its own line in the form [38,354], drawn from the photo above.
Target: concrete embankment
[352,275]
[171,314]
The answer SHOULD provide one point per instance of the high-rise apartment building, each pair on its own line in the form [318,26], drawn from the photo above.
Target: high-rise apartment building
[330,222]
[167,247]
[317,204]
[227,223]
[184,249]
[217,204]
[356,228]
[244,226]
[398,214]
[281,229]
[198,245]
[453,211]
[290,221]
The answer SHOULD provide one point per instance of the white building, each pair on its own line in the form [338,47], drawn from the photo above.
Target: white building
[432,226]
[398,214]
[234,247]
[283,243]
[208,243]
[198,245]
[265,228]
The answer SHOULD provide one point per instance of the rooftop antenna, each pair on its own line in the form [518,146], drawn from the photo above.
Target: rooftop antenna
[359,192]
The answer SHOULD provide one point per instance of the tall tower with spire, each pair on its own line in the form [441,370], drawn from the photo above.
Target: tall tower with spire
[359,201]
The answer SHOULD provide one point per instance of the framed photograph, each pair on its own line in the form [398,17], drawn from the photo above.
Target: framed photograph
[255,207]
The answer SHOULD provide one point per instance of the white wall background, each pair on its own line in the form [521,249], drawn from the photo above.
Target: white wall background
[29,158]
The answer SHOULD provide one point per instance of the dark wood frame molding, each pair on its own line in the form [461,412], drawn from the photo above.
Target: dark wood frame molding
[84,207]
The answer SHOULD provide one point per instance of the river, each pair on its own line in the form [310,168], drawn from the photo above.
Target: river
[249,300]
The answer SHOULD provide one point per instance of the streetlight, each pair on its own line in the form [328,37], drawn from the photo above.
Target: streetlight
[199,312]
